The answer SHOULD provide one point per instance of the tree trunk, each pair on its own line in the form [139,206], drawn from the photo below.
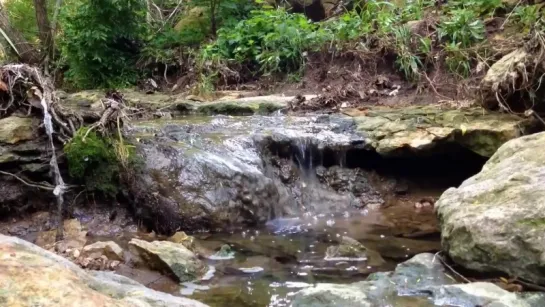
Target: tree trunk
[24,50]
[213,26]
[44,27]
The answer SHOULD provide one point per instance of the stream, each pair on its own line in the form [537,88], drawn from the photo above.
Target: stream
[335,187]
[319,182]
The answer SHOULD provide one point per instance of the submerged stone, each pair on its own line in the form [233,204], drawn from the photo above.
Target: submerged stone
[495,220]
[225,252]
[420,281]
[350,249]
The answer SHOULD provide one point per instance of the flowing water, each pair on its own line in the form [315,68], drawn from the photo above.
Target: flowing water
[271,263]
[338,189]
[274,261]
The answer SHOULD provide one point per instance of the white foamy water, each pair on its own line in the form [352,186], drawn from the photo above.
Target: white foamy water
[252,270]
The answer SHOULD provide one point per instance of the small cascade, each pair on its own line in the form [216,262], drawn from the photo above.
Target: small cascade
[54,164]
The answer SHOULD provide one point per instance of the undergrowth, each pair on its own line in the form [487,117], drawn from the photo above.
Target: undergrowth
[98,162]
[273,41]
[116,43]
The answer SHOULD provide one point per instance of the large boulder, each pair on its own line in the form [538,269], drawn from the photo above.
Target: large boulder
[31,276]
[495,220]
[168,257]
[191,189]
[420,281]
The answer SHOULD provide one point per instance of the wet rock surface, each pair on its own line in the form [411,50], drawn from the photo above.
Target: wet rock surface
[352,249]
[33,276]
[420,281]
[494,221]
[229,103]
[109,249]
[229,172]
[168,257]
[421,128]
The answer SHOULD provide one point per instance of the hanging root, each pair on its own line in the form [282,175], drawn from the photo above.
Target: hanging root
[514,83]
[23,89]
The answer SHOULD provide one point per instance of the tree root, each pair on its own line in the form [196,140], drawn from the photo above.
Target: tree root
[23,86]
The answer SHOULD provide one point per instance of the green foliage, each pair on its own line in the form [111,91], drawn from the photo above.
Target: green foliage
[23,18]
[527,16]
[347,27]
[98,44]
[479,7]
[166,46]
[461,27]
[457,61]
[93,162]
[271,40]
[414,9]
[407,61]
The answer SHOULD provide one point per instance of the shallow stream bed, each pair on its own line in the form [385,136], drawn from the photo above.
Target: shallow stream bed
[335,186]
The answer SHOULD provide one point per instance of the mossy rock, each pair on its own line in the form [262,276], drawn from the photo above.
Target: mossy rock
[225,108]
[194,25]
[421,128]
[494,221]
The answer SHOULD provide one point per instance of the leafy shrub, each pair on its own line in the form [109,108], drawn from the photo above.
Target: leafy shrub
[406,60]
[479,7]
[167,46]
[457,61]
[527,16]
[23,18]
[461,27]
[414,9]
[347,27]
[100,42]
[272,40]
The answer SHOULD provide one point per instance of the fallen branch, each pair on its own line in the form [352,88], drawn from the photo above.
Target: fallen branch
[438,255]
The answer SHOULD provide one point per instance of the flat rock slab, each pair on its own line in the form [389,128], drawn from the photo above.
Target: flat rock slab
[419,128]
[180,104]
[32,276]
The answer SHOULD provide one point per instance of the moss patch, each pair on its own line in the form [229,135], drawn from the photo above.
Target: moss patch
[225,108]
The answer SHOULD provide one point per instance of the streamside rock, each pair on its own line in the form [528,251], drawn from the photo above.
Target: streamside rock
[181,237]
[495,220]
[187,188]
[423,128]
[420,281]
[110,249]
[31,276]
[16,129]
[168,257]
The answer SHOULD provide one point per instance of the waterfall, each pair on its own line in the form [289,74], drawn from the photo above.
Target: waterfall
[53,163]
